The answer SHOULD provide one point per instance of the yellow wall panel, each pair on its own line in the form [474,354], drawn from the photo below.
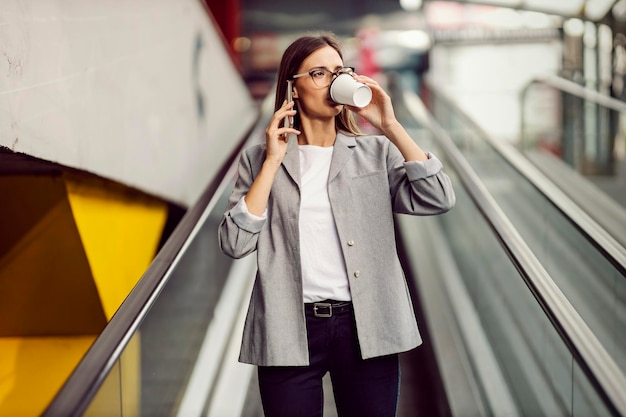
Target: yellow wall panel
[25,199]
[33,369]
[120,230]
[72,248]
[46,288]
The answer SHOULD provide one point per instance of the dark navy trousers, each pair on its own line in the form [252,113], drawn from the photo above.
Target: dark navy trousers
[361,388]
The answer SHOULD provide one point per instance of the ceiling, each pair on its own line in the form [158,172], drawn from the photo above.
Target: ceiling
[594,10]
[343,17]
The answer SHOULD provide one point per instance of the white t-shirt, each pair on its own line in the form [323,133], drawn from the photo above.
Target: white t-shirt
[323,267]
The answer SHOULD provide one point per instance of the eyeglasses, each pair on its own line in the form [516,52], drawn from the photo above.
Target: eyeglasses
[322,77]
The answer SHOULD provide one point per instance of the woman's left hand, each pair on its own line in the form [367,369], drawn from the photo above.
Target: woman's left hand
[380,110]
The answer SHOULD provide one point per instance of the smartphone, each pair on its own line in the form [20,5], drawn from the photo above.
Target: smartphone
[289,120]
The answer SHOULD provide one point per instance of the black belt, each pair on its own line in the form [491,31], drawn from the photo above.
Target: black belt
[328,308]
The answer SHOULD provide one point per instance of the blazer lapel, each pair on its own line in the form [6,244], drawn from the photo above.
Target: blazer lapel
[291,161]
[341,154]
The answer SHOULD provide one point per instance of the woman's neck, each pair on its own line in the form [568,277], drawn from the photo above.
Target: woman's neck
[317,133]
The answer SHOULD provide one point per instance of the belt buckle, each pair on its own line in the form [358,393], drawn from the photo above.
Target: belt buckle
[329,306]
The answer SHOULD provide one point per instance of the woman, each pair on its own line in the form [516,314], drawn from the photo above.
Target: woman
[316,202]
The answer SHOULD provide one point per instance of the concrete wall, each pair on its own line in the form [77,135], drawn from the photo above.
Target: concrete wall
[140,92]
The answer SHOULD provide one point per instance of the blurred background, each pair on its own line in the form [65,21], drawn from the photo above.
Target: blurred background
[484,54]
[397,35]
[120,127]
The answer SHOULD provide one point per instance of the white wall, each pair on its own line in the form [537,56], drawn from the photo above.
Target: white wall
[486,80]
[112,87]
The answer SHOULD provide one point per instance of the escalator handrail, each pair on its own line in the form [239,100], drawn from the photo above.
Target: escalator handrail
[565,86]
[81,387]
[610,248]
[592,357]
[576,90]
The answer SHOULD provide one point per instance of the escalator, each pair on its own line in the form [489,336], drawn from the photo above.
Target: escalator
[530,289]
[514,324]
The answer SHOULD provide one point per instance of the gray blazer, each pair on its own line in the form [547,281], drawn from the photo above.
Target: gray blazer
[368,182]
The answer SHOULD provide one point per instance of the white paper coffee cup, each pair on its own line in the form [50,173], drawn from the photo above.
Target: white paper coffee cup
[346,90]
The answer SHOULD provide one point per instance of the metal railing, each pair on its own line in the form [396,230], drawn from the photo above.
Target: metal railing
[590,131]
[613,250]
[88,377]
[589,353]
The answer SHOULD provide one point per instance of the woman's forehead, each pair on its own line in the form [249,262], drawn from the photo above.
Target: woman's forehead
[326,57]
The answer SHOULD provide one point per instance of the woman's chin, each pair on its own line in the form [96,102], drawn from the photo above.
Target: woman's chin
[336,106]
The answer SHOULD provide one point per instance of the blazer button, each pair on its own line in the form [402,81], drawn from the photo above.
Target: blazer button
[357,274]
[351,242]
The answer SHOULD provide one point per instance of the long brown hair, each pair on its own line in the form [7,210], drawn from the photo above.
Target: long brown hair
[293,57]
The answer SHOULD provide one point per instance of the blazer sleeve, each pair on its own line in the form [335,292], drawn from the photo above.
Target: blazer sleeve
[418,187]
[238,231]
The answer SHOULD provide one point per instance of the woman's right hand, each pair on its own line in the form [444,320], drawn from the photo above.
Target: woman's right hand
[276,135]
